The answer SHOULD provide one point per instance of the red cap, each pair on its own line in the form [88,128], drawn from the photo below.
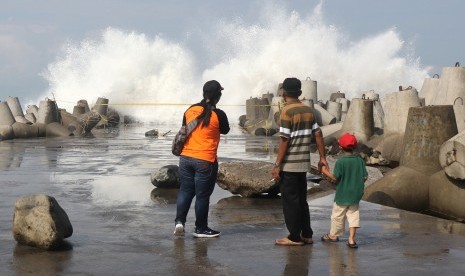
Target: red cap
[347,141]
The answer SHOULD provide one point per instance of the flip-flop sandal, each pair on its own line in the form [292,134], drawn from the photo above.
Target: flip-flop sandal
[287,242]
[307,240]
[352,245]
[327,238]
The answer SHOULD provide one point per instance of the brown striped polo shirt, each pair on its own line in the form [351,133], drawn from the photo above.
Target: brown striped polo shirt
[297,125]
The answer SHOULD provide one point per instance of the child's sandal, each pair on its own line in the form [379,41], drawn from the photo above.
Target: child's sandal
[327,238]
[352,245]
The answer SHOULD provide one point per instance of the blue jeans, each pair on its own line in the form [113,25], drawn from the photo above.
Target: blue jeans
[198,178]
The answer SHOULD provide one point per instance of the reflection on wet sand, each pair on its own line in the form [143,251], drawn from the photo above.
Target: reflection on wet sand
[34,261]
[237,209]
[164,196]
[12,155]
[298,260]
[193,259]
[408,221]
[340,264]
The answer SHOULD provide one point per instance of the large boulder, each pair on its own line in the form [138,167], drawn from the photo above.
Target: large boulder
[39,221]
[166,177]
[247,178]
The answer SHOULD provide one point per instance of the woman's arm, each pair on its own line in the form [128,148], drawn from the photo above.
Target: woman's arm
[223,119]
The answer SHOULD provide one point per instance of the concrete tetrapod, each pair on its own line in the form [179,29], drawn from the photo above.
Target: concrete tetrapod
[6,117]
[84,104]
[81,124]
[395,109]
[48,112]
[260,128]
[345,104]
[446,196]
[451,85]
[33,109]
[459,110]
[78,110]
[6,132]
[345,107]
[257,109]
[429,89]
[15,106]
[359,119]
[378,112]
[25,130]
[428,127]
[335,109]
[452,156]
[331,130]
[322,116]
[402,188]
[309,90]
[16,110]
[30,117]
[390,146]
[334,96]
[396,106]
[101,106]
[407,187]
[277,103]
[57,130]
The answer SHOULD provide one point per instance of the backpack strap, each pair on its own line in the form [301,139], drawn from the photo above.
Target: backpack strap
[191,126]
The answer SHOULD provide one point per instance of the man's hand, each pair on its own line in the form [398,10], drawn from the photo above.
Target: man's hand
[322,163]
[275,174]
[320,144]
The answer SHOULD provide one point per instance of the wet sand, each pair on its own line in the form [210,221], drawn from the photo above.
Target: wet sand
[122,226]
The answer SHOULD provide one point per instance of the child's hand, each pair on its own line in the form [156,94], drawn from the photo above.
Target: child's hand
[328,174]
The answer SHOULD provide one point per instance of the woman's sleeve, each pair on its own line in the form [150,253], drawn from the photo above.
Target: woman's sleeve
[223,119]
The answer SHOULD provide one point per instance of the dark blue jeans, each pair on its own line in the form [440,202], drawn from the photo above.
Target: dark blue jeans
[198,178]
[295,207]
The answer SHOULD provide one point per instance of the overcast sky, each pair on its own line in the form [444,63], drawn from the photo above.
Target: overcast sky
[33,32]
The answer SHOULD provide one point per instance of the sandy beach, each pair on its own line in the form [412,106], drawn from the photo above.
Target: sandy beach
[123,225]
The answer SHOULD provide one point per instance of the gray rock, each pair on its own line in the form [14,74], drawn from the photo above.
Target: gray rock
[39,221]
[166,177]
[151,133]
[247,178]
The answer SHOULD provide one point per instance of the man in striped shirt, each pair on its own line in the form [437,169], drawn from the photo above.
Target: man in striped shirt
[297,126]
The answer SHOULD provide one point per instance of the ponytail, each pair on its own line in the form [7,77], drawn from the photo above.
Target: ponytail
[206,113]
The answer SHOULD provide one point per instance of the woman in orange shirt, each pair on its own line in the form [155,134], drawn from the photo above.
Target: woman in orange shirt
[198,165]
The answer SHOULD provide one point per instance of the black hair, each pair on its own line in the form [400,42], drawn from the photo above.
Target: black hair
[208,105]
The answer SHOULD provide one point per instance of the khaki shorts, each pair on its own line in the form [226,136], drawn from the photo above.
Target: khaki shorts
[338,218]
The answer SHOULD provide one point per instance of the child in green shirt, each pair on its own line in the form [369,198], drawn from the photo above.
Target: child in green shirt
[350,175]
